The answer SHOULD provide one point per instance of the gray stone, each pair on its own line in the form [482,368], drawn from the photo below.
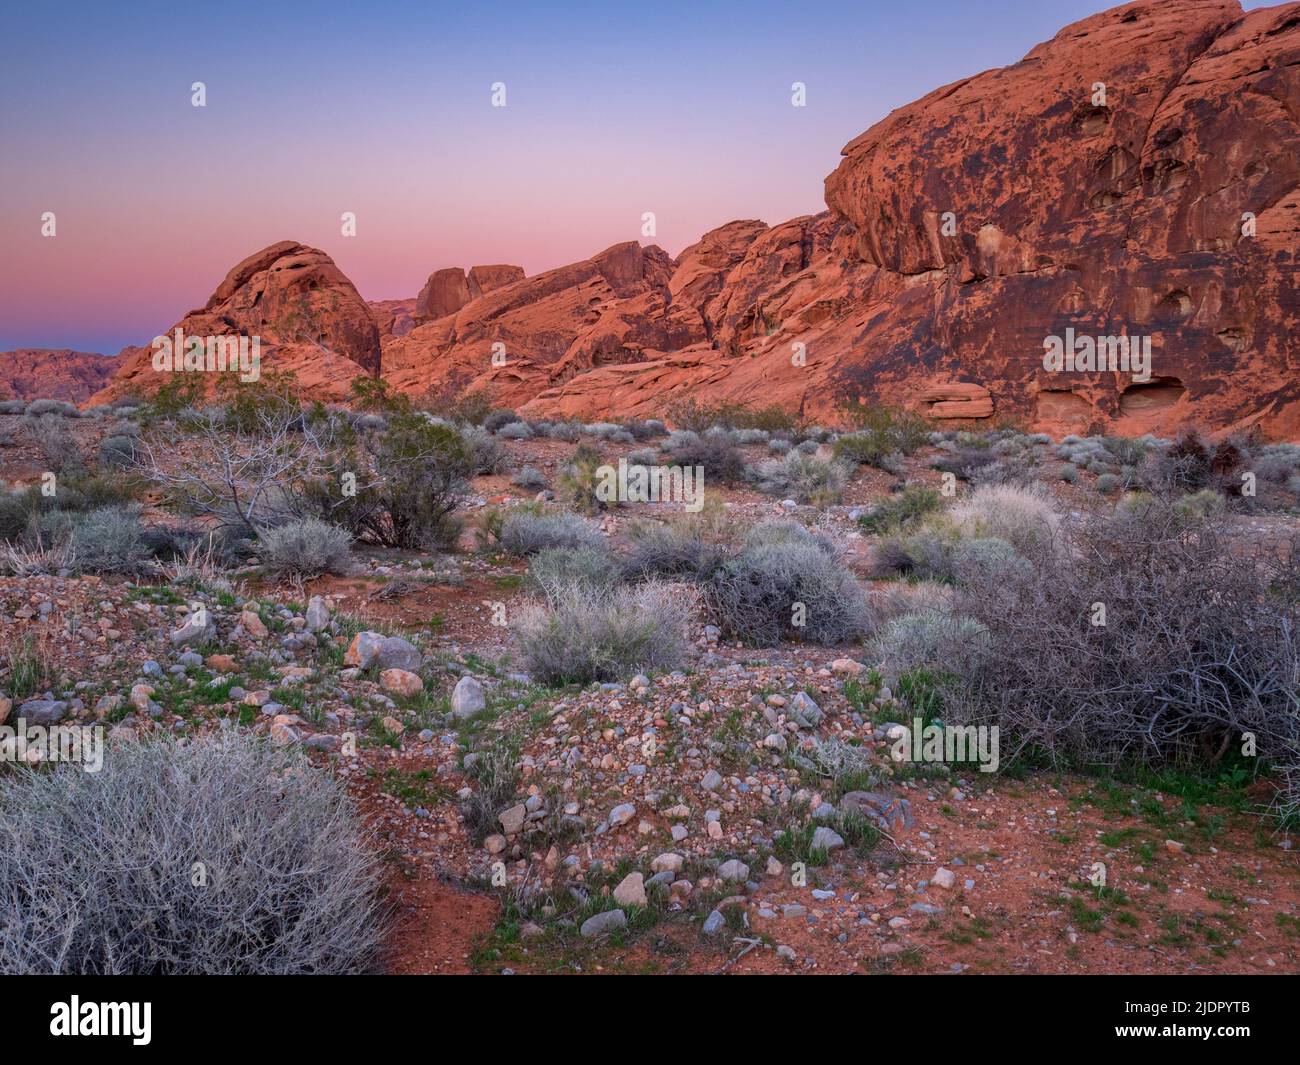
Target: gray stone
[733,871]
[198,628]
[318,614]
[804,711]
[512,820]
[601,923]
[621,814]
[826,839]
[42,711]
[398,653]
[712,780]
[467,698]
[714,923]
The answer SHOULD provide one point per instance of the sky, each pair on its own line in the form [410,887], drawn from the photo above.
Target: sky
[386,110]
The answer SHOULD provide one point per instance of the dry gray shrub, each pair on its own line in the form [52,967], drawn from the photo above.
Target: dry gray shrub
[305,548]
[220,855]
[1201,643]
[525,531]
[762,595]
[585,634]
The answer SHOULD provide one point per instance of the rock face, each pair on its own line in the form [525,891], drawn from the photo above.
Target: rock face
[1134,181]
[1166,205]
[1135,177]
[310,319]
[44,373]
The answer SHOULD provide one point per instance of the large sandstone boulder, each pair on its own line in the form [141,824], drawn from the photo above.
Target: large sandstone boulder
[310,320]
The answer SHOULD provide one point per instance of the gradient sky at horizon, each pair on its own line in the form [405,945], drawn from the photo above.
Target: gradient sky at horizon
[384,109]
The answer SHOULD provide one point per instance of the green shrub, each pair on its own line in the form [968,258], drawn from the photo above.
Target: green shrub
[915,501]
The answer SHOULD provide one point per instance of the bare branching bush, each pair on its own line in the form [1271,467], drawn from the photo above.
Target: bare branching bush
[52,435]
[787,591]
[584,634]
[1154,638]
[219,855]
[306,548]
[248,472]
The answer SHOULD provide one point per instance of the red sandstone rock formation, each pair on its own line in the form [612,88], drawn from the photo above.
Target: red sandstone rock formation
[310,320]
[1137,176]
[41,373]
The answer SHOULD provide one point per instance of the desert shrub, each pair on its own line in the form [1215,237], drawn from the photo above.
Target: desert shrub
[1201,504]
[645,456]
[108,540]
[1024,517]
[486,455]
[57,407]
[55,441]
[1192,462]
[496,773]
[1200,643]
[12,406]
[964,463]
[722,463]
[880,430]
[525,531]
[97,869]
[934,639]
[1276,463]
[408,481]
[784,531]
[567,431]
[690,414]
[18,509]
[644,429]
[498,419]
[530,477]
[603,635]
[578,481]
[667,550]
[117,451]
[1108,482]
[779,446]
[516,430]
[913,502]
[555,570]
[983,558]
[802,478]
[306,548]
[751,436]
[794,591]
